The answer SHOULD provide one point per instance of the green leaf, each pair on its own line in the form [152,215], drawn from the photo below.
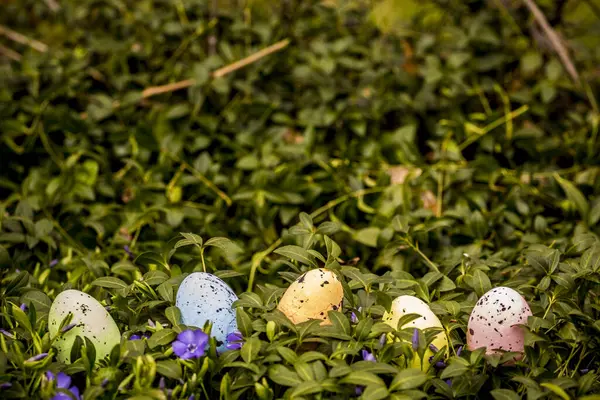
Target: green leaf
[161,338]
[307,388]
[249,300]
[110,282]
[150,258]
[457,367]
[368,236]
[21,318]
[189,239]
[363,328]
[165,290]
[304,371]
[220,242]
[284,376]
[333,250]
[340,322]
[297,253]
[362,378]
[42,228]
[375,392]
[173,315]
[400,223]
[155,277]
[504,394]
[574,195]
[244,322]
[408,379]
[557,390]
[250,349]
[479,281]
[169,368]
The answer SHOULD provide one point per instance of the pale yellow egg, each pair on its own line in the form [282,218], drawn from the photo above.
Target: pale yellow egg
[411,305]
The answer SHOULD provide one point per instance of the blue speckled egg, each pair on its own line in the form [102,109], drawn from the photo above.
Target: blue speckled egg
[204,297]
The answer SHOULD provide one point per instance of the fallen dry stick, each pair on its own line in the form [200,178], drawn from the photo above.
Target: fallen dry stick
[557,43]
[20,38]
[8,53]
[154,90]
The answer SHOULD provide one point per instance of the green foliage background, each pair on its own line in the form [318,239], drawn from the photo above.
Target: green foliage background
[440,144]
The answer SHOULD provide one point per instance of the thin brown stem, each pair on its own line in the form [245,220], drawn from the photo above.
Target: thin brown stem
[155,90]
[556,41]
[20,38]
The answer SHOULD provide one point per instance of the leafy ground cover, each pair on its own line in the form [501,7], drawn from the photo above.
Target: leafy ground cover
[437,151]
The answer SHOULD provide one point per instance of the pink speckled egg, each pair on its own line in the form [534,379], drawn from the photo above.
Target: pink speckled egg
[494,322]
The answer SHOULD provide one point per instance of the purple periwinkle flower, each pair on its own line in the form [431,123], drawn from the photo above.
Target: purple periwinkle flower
[53,263]
[415,339]
[104,382]
[136,336]
[63,381]
[234,341]
[161,383]
[440,365]
[353,318]
[433,348]
[7,334]
[358,390]
[460,349]
[584,371]
[5,385]
[128,251]
[190,344]
[23,306]
[449,382]
[192,397]
[368,356]
[39,357]
[382,339]
[68,328]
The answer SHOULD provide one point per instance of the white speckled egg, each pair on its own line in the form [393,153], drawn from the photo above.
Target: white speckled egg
[311,295]
[91,319]
[403,305]
[205,297]
[493,321]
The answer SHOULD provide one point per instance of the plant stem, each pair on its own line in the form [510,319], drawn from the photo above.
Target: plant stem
[344,198]
[257,259]
[416,249]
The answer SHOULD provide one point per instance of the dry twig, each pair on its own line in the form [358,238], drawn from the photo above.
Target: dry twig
[9,53]
[556,41]
[154,90]
[20,38]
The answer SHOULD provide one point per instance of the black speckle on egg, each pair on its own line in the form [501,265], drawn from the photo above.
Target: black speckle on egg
[471,331]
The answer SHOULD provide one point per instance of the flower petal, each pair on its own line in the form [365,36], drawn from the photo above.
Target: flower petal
[186,336]
[200,338]
[179,348]
[75,391]
[63,380]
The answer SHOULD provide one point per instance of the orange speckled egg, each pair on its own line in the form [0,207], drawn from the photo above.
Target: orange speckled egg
[311,296]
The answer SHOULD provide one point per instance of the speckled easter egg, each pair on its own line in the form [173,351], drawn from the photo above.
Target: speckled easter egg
[311,295]
[91,320]
[403,305]
[493,323]
[204,297]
